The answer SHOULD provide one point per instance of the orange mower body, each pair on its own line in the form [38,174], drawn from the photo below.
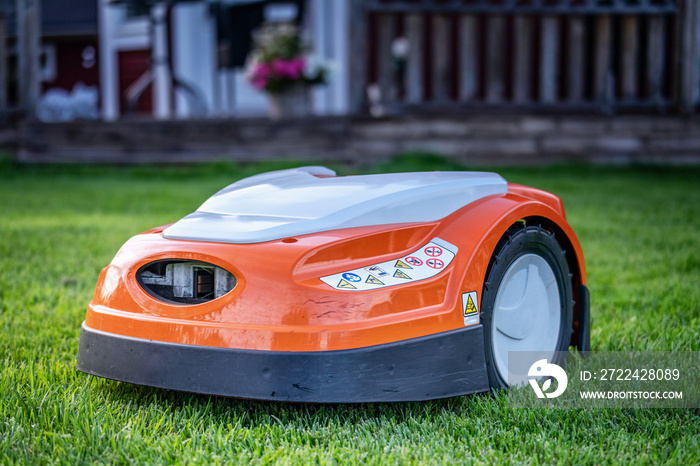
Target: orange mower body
[380,294]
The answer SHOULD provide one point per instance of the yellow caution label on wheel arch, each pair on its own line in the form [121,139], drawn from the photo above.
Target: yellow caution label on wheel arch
[470,308]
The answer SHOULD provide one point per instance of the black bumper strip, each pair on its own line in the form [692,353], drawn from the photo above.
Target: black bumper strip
[435,366]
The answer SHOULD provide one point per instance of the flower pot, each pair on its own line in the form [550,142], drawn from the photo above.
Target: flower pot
[293,102]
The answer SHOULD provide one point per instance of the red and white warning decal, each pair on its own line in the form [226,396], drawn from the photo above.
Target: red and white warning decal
[425,262]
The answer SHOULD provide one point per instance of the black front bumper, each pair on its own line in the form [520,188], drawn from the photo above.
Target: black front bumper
[435,366]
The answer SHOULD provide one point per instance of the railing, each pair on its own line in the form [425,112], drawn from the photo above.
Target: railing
[599,55]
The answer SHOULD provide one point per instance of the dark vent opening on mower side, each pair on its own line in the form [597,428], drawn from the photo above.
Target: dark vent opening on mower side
[204,282]
[185,281]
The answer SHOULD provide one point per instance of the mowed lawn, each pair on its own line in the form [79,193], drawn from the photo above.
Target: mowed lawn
[640,232]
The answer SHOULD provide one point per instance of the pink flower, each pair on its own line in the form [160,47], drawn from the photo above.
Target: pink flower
[291,69]
[261,74]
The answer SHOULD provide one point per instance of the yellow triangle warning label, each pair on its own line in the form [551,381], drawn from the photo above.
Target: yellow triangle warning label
[471,308]
[374,281]
[400,274]
[346,284]
[402,265]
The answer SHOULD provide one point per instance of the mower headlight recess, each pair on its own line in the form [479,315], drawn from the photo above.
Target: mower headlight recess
[184,282]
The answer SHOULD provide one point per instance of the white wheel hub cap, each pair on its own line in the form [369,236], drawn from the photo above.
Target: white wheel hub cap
[526,313]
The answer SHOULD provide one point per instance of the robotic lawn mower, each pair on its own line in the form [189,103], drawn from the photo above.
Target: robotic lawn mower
[301,285]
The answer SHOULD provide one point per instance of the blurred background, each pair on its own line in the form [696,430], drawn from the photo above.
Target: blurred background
[481,81]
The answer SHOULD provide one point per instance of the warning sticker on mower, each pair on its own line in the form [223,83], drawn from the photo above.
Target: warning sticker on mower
[425,262]
[470,308]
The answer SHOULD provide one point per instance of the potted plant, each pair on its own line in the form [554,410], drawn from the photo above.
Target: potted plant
[280,66]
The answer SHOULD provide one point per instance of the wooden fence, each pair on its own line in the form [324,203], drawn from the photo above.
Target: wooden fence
[598,55]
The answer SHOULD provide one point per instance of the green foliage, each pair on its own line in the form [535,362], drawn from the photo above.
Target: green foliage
[278,41]
[60,225]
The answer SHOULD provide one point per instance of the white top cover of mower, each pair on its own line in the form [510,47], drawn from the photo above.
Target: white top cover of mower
[306,200]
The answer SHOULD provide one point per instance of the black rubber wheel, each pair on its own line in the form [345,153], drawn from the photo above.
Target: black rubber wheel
[527,300]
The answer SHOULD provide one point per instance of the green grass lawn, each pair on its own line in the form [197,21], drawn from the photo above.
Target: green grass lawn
[640,232]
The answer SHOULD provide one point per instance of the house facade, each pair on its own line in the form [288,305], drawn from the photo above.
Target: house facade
[184,59]
[166,60]
[68,52]
[395,56]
